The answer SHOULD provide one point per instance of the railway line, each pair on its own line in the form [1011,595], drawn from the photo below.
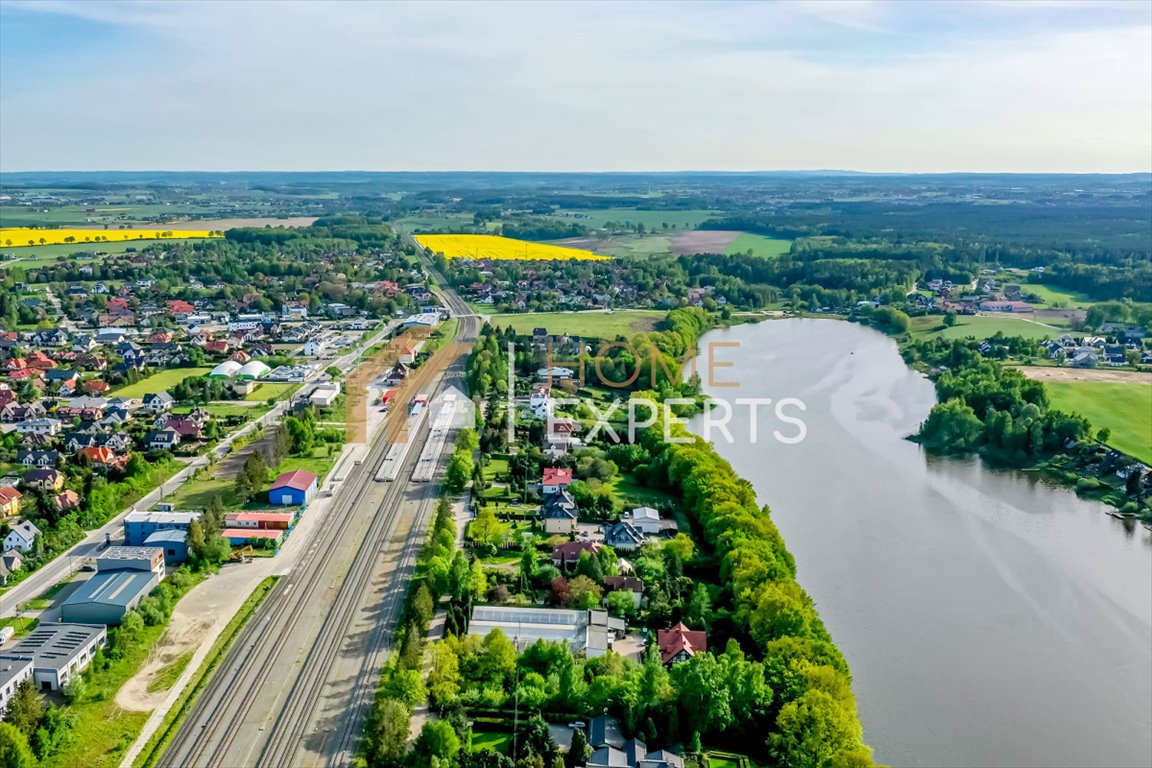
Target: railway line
[295,688]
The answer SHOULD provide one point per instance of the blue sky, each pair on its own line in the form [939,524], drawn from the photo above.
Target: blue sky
[876,86]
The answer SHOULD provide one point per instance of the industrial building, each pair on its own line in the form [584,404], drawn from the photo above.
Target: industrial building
[293,489]
[59,651]
[174,543]
[132,559]
[138,526]
[592,632]
[13,671]
[241,536]
[324,395]
[107,596]
[279,521]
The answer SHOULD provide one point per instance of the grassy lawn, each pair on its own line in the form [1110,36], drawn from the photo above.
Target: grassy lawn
[1122,408]
[635,495]
[198,493]
[21,626]
[167,677]
[272,390]
[31,256]
[589,325]
[497,742]
[159,382]
[1053,293]
[495,468]
[320,464]
[765,247]
[981,327]
[44,601]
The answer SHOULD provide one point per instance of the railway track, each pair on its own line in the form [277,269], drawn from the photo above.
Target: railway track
[226,728]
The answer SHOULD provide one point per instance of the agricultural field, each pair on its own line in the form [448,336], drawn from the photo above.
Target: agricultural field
[981,327]
[159,382]
[1052,294]
[760,246]
[32,257]
[32,237]
[588,325]
[651,219]
[1125,409]
[502,249]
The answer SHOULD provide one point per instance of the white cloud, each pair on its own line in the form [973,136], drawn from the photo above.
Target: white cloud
[579,87]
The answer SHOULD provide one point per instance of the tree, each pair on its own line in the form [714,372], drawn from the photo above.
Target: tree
[437,742]
[25,709]
[497,658]
[578,750]
[949,319]
[386,734]
[699,612]
[813,729]
[459,471]
[444,678]
[14,749]
[1103,434]
[535,738]
[681,547]
[621,603]
[405,686]
[584,593]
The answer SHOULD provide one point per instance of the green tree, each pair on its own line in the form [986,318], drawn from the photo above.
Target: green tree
[386,734]
[699,613]
[25,708]
[459,471]
[14,749]
[813,729]
[583,593]
[437,743]
[444,678]
[578,750]
[621,603]
[497,661]
[486,529]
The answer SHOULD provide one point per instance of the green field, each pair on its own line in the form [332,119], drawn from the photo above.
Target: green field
[1126,409]
[159,382]
[597,218]
[497,742]
[1051,294]
[759,245]
[273,389]
[589,325]
[981,327]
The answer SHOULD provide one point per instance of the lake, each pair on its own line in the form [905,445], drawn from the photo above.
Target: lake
[989,618]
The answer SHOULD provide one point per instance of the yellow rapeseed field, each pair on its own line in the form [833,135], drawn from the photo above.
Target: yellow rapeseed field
[12,237]
[503,248]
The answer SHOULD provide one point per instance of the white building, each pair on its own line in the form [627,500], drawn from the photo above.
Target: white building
[59,652]
[13,671]
[644,519]
[21,537]
[324,394]
[590,631]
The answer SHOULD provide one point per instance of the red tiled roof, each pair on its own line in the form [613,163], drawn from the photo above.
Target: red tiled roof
[554,476]
[570,551]
[251,533]
[8,495]
[680,638]
[299,480]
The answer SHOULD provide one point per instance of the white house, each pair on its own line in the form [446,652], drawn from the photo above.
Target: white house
[555,372]
[314,347]
[644,519]
[39,427]
[21,537]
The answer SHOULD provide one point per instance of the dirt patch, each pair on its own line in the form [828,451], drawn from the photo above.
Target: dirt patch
[1099,375]
[702,241]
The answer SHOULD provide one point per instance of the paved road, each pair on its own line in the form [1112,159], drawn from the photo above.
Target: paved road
[296,686]
[65,564]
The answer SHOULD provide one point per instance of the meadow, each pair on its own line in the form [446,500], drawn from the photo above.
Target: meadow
[588,325]
[1052,294]
[1125,409]
[759,245]
[35,256]
[159,382]
[981,327]
[502,249]
[651,219]
[26,236]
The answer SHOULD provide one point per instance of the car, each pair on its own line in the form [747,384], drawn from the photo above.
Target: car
[577,724]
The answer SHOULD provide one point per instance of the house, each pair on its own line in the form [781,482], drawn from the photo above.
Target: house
[559,513]
[398,373]
[294,310]
[96,387]
[644,519]
[11,561]
[1005,306]
[49,427]
[38,458]
[623,537]
[21,536]
[187,427]
[1083,358]
[680,643]
[293,489]
[555,372]
[59,651]
[605,731]
[238,537]
[158,402]
[630,584]
[555,479]
[103,457]
[314,347]
[10,502]
[569,552]
[163,439]
[138,526]
[66,501]
[409,353]
[44,479]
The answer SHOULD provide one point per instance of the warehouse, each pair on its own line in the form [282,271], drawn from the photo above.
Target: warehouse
[107,596]
[592,632]
[173,542]
[13,671]
[281,521]
[132,559]
[59,651]
[238,537]
[138,526]
[324,395]
[253,369]
[293,489]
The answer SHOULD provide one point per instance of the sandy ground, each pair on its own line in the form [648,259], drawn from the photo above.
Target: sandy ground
[216,224]
[702,241]
[1086,374]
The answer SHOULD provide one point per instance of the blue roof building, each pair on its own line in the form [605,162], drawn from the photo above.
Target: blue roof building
[107,596]
[174,542]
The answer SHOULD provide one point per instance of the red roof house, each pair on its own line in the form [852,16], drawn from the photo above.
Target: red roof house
[555,479]
[569,552]
[680,643]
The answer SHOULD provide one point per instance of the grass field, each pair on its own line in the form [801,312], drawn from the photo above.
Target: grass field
[159,382]
[272,389]
[981,327]
[597,218]
[764,247]
[589,325]
[167,677]
[497,742]
[1051,293]
[1125,409]
[502,249]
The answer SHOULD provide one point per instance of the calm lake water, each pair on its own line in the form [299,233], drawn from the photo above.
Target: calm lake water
[990,619]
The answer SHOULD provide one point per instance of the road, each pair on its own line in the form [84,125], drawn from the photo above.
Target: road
[297,684]
[65,564]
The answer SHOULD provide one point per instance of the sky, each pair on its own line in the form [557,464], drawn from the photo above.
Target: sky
[1040,86]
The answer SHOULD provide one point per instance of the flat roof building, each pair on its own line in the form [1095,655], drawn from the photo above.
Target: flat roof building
[13,671]
[174,543]
[132,559]
[107,596]
[59,651]
[138,526]
[588,631]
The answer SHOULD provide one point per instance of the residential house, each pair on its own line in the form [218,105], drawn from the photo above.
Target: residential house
[559,513]
[103,458]
[555,479]
[66,501]
[10,502]
[159,402]
[623,537]
[163,439]
[11,561]
[21,536]
[38,458]
[569,552]
[680,643]
[44,426]
[44,479]
[644,519]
